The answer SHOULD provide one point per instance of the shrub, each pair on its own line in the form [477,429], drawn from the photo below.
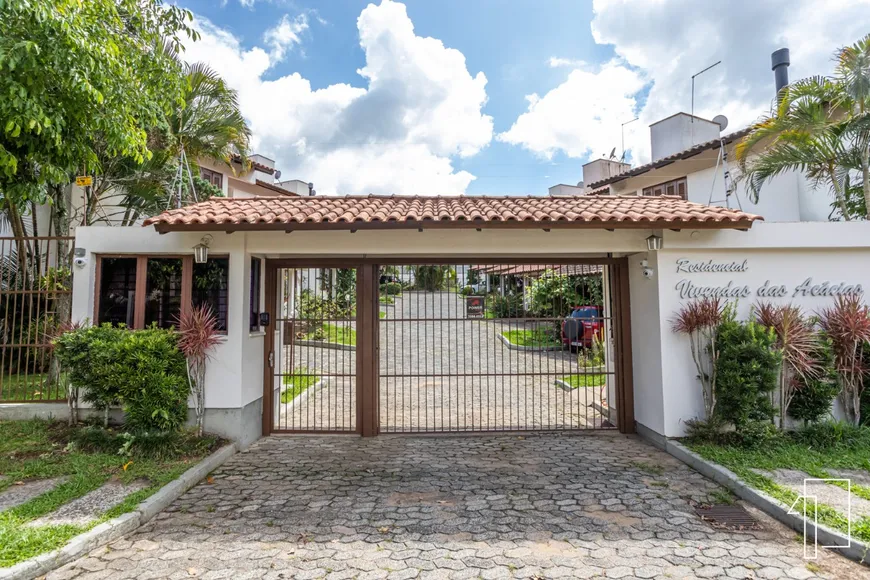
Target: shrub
[159,445]
[700,320]
[467,291]
[829,434]
[510,306]
[813,396]
[88,355]
[847,322]
[391,288]
[746,372]
[151,373]
[197,336]
[754,434]
[554,295]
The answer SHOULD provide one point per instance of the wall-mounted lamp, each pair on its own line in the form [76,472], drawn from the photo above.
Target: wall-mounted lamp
[200,251]
[654,243]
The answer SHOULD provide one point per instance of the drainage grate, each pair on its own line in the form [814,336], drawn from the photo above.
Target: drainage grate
[731,517]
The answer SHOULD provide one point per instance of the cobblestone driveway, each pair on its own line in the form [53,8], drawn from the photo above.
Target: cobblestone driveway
[545,506]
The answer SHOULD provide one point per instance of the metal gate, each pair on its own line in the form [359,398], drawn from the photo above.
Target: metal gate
[374,347]
[495,347]
[312,367]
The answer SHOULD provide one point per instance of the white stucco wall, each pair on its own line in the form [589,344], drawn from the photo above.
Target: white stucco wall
[779,253]
[646,343]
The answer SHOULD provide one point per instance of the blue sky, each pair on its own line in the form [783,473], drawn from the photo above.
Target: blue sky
[589,67]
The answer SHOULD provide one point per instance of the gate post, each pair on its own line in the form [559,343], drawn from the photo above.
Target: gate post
[624,372]
[367,309]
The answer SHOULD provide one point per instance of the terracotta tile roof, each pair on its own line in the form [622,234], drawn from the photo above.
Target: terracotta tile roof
[536,269]
[381,212]
[690,152]
[254,165]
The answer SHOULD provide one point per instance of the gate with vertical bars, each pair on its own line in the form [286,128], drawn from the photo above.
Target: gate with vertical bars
[439,346]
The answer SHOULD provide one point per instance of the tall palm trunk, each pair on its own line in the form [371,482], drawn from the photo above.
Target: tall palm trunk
[838,192]
[865,175]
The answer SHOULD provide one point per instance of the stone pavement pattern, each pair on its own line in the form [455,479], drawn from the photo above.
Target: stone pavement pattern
[543,506]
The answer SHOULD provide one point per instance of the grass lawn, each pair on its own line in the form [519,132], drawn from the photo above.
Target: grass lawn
[387,299]
[584,380]
[41,449]
[340,334]
[536,337]
[790,453]
[298,383]
[33,387]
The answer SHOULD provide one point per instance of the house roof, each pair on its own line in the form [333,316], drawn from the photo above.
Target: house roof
[254,165]
[411,212]
[276,188]
[536,269]
[685,154]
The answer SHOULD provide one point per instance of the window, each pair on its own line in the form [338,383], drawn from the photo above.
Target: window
[117,291]
[210,285]
[213,177]
[139,291]
[255,295]
[163,291]
[676,187]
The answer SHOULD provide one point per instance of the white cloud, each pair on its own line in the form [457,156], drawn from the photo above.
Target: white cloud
[666,42]
[581,116]
[557,62]
[285,35]
[396,134]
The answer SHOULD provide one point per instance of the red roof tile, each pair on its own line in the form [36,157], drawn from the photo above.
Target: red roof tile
[381,212]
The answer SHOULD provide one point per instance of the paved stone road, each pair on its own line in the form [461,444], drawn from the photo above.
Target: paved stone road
[462,376]
[545,507]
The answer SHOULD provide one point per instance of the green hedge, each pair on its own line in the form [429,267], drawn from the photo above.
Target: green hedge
[143,370]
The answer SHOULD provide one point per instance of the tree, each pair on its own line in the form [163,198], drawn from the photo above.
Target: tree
[821,127]
[72,72]
[206,124]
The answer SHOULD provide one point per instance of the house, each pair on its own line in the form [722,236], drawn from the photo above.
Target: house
[687,161]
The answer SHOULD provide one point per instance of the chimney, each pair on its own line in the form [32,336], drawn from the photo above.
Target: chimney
[779,62]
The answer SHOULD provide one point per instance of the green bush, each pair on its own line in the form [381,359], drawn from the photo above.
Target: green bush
[152,375]
[467,291]
[555,295]
[159,445]
[813,398]
[141,369]
[830,434]
[391,288]
[88,356]
[754,434]
[746,372]
[510,306]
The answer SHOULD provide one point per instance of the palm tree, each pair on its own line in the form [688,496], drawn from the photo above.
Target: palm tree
[208,124]
[820,128]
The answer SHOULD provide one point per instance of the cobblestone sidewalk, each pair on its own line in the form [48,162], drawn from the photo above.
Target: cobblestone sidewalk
[544,506]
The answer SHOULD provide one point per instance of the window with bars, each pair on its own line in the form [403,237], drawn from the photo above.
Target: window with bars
[677,187]
[213,177]
[138,291]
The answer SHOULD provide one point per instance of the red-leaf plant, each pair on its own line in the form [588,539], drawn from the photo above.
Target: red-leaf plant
[700,319]
[847,323]
[198,335]
[800,346]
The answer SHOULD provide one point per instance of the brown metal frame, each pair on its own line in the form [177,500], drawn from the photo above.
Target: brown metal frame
[368,307]
[142,281]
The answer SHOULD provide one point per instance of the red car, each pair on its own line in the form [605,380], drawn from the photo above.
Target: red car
[582,327]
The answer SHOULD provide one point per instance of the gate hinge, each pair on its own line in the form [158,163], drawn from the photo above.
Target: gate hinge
[272,360]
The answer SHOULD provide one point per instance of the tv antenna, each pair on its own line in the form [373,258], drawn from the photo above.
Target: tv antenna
[693,88]
[622,129]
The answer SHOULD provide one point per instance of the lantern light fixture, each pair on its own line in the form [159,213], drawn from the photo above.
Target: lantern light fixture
[654,243]
[200,251]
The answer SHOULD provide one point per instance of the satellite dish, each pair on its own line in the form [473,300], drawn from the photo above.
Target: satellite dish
[722,121]
[277,175]
[613,153]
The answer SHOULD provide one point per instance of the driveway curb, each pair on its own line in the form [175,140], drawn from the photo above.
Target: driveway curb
[120,526]
[324,344]
[824,535]
[513,346]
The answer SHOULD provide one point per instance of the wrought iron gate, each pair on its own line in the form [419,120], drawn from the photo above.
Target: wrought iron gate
[313,360]
[495,347]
